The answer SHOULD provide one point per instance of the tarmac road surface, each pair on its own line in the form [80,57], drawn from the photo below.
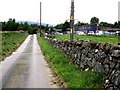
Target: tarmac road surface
[26,68]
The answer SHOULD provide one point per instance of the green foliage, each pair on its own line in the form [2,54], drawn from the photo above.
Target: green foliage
[21,25]
[80,23]
[117,24]
[109,25]
[10,41]
[68,72]
[94,20]
[105,25]
[59,26]
[11,25]
[0,26]
[63,26]
[46,28]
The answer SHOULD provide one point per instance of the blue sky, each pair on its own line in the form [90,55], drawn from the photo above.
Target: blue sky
[57,11]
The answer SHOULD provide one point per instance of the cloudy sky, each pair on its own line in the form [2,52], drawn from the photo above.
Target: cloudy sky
[57,11]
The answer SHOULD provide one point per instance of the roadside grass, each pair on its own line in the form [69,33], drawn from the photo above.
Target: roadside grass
[96,38]
[73,77]
[9,42]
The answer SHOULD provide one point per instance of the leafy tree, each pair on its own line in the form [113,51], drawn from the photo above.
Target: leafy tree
[105,24]
[47,28]
[4,26]
[26,26]
[65,26]
[34,25]
[59,26]
[94,20]
[80,23]
[30,30]
[23,26]
[20,27]
[117,24]
[0,26]
[11,25]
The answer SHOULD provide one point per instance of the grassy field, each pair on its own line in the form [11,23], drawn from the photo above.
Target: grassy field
[9,42]
[73,77]
[100,38]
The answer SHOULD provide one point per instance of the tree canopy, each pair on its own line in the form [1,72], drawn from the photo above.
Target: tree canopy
[63,26]
[94,20]
[12,25]
[80,23]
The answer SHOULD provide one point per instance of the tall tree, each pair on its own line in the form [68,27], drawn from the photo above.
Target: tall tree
[117,24]
[11,25]
[20,27]
[80,23]
[65,26]
[59,26]
[26,26]
[94,20]
[47,28]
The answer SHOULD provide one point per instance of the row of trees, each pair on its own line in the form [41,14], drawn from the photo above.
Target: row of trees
[63,26]
[12,25]
[105,24]
[93,20]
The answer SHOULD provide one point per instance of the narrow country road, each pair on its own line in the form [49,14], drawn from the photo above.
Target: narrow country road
[26,68]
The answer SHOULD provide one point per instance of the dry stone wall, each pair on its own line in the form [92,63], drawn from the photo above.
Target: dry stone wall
[98,57]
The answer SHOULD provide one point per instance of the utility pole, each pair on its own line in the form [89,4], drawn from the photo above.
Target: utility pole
[40,20]
[72,21]
[119,11]
[118,22]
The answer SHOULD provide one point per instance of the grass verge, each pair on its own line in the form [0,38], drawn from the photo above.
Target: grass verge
[73,77]
[9,42]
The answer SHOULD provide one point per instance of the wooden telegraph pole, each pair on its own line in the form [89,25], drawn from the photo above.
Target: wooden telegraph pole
[40,20]
[118,22]
[72,21]
[118,11]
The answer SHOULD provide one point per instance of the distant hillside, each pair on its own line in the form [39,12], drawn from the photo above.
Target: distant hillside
[31,22]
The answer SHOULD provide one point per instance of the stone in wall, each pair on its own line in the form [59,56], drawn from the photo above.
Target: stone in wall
[98,57]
